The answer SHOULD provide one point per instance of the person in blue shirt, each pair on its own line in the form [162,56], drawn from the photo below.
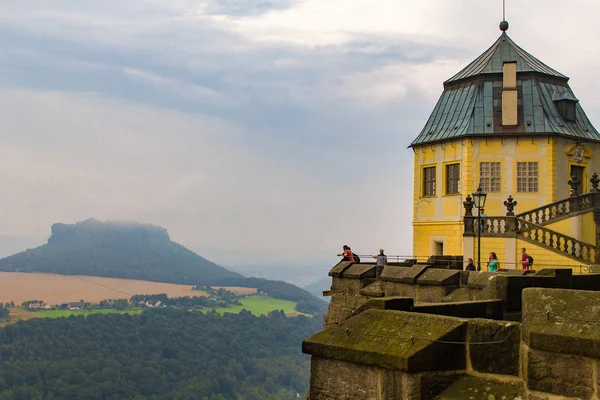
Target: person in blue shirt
[493,263]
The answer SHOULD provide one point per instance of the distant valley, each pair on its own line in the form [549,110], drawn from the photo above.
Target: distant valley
[94,260]
[147,319]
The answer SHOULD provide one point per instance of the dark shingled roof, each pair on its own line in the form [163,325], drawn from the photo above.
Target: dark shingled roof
[492,60]
[471,102]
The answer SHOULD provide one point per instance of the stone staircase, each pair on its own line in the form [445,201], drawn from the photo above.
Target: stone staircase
[557,242]
[531,226]
[559,210]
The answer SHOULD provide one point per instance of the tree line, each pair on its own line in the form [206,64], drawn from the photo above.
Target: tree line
[160,354]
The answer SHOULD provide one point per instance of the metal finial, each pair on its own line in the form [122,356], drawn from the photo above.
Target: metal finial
[503,24]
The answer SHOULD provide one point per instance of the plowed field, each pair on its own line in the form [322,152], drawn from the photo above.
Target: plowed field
[51,288]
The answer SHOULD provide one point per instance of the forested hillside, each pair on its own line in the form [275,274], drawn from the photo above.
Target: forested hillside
[119,250]
[160,354]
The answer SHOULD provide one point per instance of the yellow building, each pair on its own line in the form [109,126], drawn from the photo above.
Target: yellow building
[509,124]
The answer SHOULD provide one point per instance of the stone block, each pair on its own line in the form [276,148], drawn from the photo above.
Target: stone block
[492,291]
[479,280]
[472,388]
[392,303]
[502,358]
[464,278]
[428,386]
[339,268]
[491,309]
[585,282]
[459,294]
[397,340]
[513,286]
[359,271]
[559,374]
[352,286]
[373,289]
[403,274]
[439,277]
[562,276]
[401,289]
[563,329]
[337,285]
[431,294]
[332,379]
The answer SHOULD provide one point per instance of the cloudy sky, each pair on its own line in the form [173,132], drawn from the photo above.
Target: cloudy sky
[253,130]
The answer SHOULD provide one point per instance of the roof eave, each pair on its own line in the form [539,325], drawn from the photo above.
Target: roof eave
[502,136]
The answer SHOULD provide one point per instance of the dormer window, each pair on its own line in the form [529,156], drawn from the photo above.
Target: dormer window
[565,103]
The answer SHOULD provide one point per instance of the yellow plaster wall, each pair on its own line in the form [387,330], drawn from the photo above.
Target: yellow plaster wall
[416,182]
[452,151]
[543,258]
[549,172]
[425,234]
[564,226]
[441,214]
[588,228]
[452,206]
[468,168]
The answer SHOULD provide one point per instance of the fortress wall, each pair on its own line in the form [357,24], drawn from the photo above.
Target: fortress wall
[384,354]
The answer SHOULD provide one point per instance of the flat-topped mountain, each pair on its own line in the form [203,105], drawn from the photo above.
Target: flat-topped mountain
[116,249]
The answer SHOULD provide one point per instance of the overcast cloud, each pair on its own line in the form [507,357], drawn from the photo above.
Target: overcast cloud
[254,131]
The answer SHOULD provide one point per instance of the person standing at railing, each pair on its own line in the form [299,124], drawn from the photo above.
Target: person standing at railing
[493,263]
[470,266]
[526,260]
[347,254]
[482,223]
[381,258]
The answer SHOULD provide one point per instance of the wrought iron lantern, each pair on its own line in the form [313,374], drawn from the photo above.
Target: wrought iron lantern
[479,198]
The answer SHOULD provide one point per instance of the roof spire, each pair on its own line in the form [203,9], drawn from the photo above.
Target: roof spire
[503,24]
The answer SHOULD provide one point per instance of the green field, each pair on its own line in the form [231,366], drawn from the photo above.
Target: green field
[258,305]
[68,313]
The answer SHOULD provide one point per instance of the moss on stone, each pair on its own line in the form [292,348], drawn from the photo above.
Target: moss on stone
[469,387]
[382,338]
[339,268]
[359,271]
[564,329]
[403,274]
[439,277]
[501,358]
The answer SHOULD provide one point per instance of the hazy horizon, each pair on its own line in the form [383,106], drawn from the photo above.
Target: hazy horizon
[254,132]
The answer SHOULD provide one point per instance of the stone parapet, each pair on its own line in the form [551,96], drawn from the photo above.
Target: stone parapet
[439,277]
[403,274]
[397,340]
[562,321]
[359,271]
[494,358]
[492,309]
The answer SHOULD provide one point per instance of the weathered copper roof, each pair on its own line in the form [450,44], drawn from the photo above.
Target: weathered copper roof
[471,104]
[492,60]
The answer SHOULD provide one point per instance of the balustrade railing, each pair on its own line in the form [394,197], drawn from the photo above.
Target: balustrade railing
[559,210]
[558,242]
[535,233]
[490,226]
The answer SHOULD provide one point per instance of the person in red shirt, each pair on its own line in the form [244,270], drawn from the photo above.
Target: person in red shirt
[525,259]
[348,256]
